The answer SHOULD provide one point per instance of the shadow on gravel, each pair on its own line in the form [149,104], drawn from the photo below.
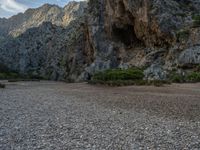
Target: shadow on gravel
[166,102]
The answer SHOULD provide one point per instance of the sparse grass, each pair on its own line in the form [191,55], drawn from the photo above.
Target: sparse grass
[2,85]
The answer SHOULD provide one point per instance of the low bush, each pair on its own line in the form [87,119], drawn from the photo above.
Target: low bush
[15,77]
[124,77]
[189,77]
[176,78]
[193,77]
[8,75]
[119,74]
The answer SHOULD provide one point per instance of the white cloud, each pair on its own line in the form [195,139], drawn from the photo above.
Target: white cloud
[12,6]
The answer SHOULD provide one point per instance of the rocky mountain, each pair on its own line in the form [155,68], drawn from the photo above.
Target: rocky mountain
[19,23]
[74,42]
[159,35]
[45,41]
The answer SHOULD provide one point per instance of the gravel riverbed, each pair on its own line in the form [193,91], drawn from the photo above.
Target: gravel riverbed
[59,116]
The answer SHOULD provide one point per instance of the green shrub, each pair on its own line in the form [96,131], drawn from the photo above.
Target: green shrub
[122,77]
[176,78]
[196,20]
[119,74]
[13,75]
[2,85]
[193,77]
[8,75]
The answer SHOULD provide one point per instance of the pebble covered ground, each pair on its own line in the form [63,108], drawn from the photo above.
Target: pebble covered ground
[58,116]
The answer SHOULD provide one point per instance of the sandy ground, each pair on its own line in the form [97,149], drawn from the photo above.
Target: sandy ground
[60,116]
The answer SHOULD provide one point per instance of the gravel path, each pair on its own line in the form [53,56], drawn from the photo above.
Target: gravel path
[59,116]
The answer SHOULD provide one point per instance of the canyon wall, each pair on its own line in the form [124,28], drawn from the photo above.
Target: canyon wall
[158,35]
[74,42]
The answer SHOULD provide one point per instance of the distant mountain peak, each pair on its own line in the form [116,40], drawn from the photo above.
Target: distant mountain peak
[33,17]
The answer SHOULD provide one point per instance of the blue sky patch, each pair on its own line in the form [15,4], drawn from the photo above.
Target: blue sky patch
[12,7]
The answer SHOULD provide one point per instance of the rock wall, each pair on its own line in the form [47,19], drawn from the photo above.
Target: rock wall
[74,42]
[160,35]
[47,42]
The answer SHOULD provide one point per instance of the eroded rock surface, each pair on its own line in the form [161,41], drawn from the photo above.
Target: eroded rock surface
[81,39]
[146,33]
[47,42]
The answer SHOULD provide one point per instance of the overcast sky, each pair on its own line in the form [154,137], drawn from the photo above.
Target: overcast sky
[12,7]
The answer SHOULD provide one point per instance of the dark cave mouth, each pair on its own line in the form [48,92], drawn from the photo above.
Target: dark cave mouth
[126,35]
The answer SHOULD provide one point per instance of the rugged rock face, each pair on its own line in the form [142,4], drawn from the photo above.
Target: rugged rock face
[18,24]
[160,35]
[47,42]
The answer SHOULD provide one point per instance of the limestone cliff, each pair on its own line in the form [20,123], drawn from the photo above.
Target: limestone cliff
[47,41]
[19,23]
[74,42]
[160,35]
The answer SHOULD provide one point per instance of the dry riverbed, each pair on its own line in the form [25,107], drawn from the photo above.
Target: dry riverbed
[60,116]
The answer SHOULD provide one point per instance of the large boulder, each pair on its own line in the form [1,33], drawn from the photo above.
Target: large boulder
[190,57]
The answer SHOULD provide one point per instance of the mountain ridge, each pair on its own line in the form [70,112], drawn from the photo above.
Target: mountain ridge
[17,24]
[31,50]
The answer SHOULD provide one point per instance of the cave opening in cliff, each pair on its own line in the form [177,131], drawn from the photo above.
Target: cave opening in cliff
[126,35]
